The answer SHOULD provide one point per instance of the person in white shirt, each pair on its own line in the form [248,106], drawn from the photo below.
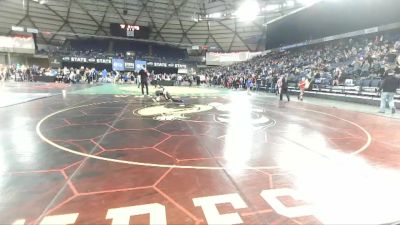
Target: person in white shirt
[138,80]
[72,77]
[179,80]
[66,71]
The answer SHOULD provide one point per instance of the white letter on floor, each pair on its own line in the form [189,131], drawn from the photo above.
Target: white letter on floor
[19,222]
[60,219]
[211,212]
[121,216]
[271,197]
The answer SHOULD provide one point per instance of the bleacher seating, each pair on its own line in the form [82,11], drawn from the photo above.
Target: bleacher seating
[354,65]
[118,48]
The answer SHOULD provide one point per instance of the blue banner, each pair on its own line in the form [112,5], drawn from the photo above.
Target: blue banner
[118,64]
[139,65]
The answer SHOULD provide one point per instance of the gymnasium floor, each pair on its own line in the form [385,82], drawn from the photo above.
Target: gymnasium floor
[105,155]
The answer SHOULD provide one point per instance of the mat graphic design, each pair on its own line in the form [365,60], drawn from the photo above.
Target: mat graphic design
[230,159]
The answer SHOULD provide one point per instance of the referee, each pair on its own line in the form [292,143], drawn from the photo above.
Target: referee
[144,81]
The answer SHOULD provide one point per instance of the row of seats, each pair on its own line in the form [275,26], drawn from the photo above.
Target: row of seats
[361,87]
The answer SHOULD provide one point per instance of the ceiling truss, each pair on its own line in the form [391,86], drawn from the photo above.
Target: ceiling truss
[171,21]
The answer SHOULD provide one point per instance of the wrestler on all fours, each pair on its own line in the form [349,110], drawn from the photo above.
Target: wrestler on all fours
[163,92]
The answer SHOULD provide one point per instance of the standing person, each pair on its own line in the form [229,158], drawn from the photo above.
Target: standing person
[336,77]
[274,81]
[72,77]
[66,71]
[388,88]
[81,74]
[104,74]
[95,75]
[92,76]
[144,81]
[284,88]
[302,87]
[258,82]
[179,79]
[132,77]
[278,86]
[190,80]
[87,77]
[249,85]
[138,80]
[3,72]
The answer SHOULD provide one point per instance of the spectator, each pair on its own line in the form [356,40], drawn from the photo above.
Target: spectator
[302,87]
[284,88]
[144,81]
[388,88]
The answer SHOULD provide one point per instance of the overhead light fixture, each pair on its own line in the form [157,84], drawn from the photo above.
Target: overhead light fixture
[290,3]
[272,7]
[41,1]
[216,15]
[195,18]
[248,11]
[307,2]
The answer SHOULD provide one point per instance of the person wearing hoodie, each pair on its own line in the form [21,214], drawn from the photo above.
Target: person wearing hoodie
[388,89]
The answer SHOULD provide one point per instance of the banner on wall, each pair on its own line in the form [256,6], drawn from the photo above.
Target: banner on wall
[86,60]
[159,64]
[166,65]
[219,59]
[180,66]
[118,64]
[104,61]
[139,65]
[129,65]
[25,45]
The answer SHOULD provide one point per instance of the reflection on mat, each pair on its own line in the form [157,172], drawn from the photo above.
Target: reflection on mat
[8,99]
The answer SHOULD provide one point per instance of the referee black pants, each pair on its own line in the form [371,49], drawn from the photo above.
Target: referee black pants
[147,87]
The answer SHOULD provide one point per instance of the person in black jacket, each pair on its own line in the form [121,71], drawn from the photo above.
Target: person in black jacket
[388,88]
[144,81]
[284,88]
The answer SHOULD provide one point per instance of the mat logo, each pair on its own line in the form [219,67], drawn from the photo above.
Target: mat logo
[172,111]
[158,216]
[252,116]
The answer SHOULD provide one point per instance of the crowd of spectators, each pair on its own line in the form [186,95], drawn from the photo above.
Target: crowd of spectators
[95,48]
[333,63]
[22,73]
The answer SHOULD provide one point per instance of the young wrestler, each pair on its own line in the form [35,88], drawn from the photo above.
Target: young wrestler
[163,92]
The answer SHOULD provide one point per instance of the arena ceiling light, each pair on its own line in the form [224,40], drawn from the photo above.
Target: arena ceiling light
[216,15]
[272,7]
[290,3]
[307,2]
[248,11]
[42,2]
